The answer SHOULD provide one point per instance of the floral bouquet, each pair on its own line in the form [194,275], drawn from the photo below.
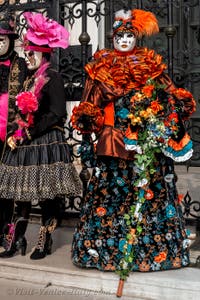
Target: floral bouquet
[27,104]
[154,126]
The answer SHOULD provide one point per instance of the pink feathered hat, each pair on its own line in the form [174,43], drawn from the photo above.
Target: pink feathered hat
[44,34]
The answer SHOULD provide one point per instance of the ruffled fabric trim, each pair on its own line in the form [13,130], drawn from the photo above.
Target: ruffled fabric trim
[181,144]
[41,169]
[189,104]
[183,158]
[178,151]
[125,72]
[37,183]
[179,155]
[87,118]
[130,142]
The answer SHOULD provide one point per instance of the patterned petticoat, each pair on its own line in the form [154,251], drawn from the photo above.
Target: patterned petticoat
[100,236]
[39,170]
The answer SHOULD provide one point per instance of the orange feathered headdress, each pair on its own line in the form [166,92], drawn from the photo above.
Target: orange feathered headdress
[138,21]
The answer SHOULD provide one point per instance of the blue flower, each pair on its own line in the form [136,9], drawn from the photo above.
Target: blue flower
[125,172]
[141,193]
[170,211]
[120,181]
[166,265]
[123,113]
[97,223]
[146,239]
[79,244]
[85,258]
[159,186]
[121,244]
[110,242]
[126,190]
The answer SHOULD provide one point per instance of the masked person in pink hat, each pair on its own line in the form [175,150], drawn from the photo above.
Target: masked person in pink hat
[12,75]
[37,167]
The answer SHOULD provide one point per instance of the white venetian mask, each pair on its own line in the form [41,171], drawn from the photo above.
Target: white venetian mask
[33,59]
[4,44]
[124,41]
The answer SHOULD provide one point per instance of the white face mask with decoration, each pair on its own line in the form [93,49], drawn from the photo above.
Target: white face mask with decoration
[4,44]
[33,59]
[124,41]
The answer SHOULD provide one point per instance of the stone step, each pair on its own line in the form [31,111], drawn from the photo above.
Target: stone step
[58,270]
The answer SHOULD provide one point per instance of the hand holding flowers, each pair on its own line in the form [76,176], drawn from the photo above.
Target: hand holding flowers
[27,104]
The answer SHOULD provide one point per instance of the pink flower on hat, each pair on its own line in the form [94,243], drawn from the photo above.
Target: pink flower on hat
[45,31]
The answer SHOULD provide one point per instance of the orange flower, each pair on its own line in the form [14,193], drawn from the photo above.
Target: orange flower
[149,194]
[156,107]
[174,128]
[177,262]
[145,114]
[171,100]
[148,90]
[144,267]
[104,191]
[160,257]
[166,123]
[137,98]
[101,211]
[173,117]
[87,243]
[132,233]
[182,93]
[157,238]
[110,267]
[135,120]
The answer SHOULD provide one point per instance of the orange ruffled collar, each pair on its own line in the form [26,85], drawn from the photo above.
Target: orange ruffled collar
[125,70]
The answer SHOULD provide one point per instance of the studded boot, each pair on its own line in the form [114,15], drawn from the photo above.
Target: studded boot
[44,244]
[14,240]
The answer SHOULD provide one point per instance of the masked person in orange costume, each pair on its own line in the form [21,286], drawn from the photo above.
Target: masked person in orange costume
[131,218]
[37,167]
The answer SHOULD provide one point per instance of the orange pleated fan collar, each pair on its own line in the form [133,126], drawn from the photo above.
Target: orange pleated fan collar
[125,72]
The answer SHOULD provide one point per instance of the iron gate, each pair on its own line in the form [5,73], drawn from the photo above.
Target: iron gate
[178,42]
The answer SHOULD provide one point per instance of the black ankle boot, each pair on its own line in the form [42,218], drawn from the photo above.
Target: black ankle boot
[44,244]
[14,240]
[20,245]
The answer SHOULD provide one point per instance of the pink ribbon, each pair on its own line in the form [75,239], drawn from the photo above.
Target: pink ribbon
[5,63]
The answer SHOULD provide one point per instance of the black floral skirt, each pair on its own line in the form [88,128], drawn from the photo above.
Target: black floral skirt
[99,238]
[39,170]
